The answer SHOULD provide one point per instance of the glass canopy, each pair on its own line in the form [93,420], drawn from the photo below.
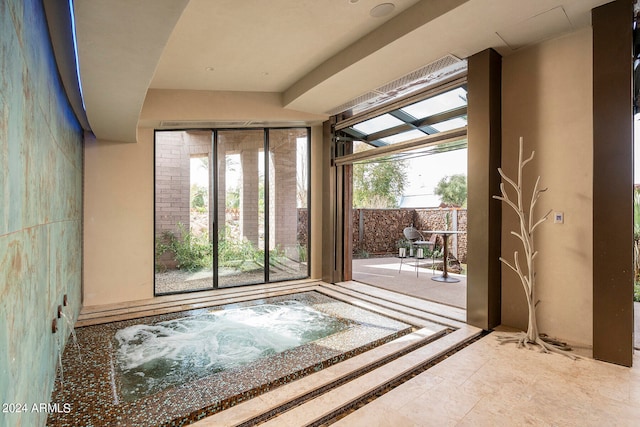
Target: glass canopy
[439,113]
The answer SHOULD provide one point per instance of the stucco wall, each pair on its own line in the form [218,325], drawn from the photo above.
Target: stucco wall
[40,210]
[547,99]
[119,191]
[118,220]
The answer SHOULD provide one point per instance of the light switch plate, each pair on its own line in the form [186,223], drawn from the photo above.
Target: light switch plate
[558,217]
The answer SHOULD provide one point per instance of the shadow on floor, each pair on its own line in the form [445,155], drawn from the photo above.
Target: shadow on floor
[387,273]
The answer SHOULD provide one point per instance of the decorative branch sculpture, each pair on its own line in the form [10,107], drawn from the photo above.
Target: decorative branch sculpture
[528,277]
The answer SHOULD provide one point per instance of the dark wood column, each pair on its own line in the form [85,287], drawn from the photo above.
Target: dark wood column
[336,210]
[347,220]
[484,220]
[329,208]
[613,183]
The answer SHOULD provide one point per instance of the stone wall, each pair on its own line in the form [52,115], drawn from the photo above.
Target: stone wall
[303,226]
[40,211]
[436,219]
[377,231]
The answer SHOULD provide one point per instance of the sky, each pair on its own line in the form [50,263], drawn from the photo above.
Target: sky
[423,173]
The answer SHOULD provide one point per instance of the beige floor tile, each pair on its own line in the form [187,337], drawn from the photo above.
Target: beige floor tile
[491,414]
[417,386]
[634,393]
[376,416]
[440,402]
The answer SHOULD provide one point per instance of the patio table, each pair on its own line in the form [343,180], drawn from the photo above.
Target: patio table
[445,237]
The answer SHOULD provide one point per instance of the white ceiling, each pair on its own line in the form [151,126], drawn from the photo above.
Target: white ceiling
[318,54]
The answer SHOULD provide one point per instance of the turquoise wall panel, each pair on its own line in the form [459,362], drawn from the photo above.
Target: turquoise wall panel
[40,211]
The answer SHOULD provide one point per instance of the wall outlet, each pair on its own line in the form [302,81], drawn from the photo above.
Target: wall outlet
[558,217]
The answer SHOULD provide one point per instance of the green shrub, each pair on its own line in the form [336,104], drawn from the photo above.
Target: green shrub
[235,253]
[194,252]
[636,291]
[190,252]
[199,196]
[302,253]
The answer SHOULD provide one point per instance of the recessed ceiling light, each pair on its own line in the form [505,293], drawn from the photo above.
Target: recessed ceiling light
[353,1]
[209,69]
[383,9]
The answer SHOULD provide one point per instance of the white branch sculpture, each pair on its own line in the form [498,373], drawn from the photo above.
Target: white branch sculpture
[528,277]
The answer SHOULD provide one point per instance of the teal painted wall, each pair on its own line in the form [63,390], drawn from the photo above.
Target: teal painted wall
[40,210]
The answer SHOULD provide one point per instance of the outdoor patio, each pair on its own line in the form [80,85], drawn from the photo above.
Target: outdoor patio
[385,272]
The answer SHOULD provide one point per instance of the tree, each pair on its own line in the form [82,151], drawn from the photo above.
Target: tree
[379,183]
[199,197]
[453,190]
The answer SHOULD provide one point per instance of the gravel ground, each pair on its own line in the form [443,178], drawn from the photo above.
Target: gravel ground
[182,281]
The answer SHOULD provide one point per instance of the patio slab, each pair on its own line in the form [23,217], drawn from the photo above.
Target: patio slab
[385,273]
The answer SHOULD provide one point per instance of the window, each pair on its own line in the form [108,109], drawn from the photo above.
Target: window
[231,207]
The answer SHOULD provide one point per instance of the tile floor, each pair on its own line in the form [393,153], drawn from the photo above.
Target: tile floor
[484,384]
[488,384]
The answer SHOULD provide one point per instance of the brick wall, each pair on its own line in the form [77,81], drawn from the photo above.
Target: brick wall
[174,151]
[283,189]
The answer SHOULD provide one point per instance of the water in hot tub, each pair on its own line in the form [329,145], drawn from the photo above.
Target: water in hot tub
[151,358]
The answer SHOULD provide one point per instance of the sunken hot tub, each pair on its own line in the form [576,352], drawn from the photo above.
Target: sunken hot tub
[177,368]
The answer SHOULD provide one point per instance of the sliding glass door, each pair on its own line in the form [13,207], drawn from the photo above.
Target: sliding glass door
[183,207]
[241,225]
[288,203]
[225,210]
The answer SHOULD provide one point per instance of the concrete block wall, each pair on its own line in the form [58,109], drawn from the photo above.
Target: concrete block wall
[172,164]
[246,143]
[249,195]
[174,150]
[172,181]
[283,192]
[40,211]
[221,179]
[199,145]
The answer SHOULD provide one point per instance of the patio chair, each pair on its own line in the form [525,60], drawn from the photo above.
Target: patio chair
[418,243]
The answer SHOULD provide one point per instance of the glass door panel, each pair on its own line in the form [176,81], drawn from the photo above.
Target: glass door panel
[241,207]
[288,204]
[183,203]
[223,213]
